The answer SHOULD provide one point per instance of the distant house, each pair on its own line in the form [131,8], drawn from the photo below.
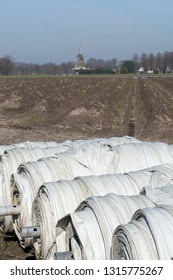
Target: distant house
[150,71]
[141,70]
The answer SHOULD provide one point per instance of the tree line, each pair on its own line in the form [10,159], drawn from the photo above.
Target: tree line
[158,63]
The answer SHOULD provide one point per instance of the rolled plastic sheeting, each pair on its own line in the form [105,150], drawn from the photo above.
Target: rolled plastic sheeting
[10,161]
[53,201]
[28,144]
[94,158]
[104,158]
[161,175]
[113,141]
[57,199]
[92,224]
[26,183]
[1,182]
[148,236]
[32,175]
[4,148]
[136,156]
[44,144]
[159,196]
[130,183]
[14,155]
[63,166]
[9,165]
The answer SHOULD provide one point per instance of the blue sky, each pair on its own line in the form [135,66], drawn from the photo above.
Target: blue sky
[42,31]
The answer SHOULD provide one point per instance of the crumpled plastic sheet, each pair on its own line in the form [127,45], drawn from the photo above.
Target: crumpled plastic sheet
[162,195]
[95,157]
[148,236]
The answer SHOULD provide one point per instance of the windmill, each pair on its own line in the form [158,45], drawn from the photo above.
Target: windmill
[80,59]
[80,63]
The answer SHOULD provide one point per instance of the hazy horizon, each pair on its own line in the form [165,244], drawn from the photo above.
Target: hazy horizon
[44,31]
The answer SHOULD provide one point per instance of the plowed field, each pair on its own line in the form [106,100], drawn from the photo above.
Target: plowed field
[61,108]
[81,107]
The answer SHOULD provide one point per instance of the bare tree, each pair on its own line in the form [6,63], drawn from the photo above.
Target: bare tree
[158,62]
[151,62]
[6,65]
[143,61]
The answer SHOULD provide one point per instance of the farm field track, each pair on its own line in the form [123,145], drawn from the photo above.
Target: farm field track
[80,107]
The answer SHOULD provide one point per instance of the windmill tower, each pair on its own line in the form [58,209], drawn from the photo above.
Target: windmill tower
[80,63]
[80,59]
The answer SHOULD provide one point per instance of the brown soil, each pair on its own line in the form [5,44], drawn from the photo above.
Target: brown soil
[61,108]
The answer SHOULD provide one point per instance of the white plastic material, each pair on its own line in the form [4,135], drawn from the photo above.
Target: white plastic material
[10,161]
[31,144]
[136,156]
[147,236]
[34,174]
[57,199]
[81,158]
[62,198]
[105,216]
[129,183]
[94,221]
[63,166]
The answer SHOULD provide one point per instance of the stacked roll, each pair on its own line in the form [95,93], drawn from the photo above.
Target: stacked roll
[10,161]
[57,199]
[130,183]
[89,229]
[26,187]
[137,156]
[148,236]
[97,157]
[105,217]
[31,175]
